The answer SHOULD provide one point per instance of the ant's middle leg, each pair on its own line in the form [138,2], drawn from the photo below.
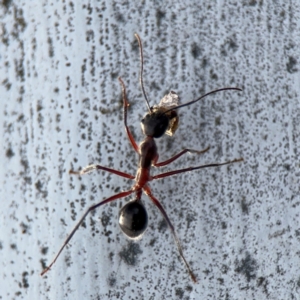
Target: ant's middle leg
[126,104]
[171,173]
[91,168]
[166,162]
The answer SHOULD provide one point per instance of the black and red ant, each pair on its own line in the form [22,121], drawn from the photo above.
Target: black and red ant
[161,119]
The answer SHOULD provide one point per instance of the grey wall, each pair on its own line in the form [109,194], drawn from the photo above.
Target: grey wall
[61,108]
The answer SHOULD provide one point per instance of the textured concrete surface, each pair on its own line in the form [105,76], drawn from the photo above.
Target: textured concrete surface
[61,108]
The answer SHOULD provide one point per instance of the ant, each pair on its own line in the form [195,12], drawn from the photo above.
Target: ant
[161,119]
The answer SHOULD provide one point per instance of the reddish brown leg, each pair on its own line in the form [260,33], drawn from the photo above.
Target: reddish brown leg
[171,173]
[126,104]
[110,199]
[91,168]
[163,212]
[166,162]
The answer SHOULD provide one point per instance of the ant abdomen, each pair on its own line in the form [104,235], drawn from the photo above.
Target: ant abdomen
[133,219]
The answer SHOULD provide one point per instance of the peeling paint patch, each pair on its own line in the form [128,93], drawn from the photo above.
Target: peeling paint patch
[247,267]
[130,253]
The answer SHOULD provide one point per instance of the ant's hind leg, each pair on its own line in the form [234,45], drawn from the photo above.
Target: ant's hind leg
[110,199]
[126,104]
[163,212]
[166,162]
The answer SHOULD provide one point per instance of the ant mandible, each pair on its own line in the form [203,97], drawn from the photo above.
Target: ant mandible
[161,119]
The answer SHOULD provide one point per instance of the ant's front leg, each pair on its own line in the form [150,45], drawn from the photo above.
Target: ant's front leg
[91,168]
[126,104]
[166,162]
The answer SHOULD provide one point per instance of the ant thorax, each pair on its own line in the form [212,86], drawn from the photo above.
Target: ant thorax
[168,102]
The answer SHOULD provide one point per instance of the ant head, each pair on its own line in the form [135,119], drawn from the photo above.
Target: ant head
[133,219]
[155,124]
[162,118]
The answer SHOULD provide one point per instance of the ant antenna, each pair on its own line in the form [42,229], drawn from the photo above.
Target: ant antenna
[142,68]
[212,92]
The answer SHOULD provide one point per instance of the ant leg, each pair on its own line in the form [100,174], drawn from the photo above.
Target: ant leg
[166,162]
[163,212]
[110,199]
[91,168]
[126,104]
[171,173]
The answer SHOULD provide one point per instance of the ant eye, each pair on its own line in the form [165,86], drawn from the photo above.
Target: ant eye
[143,121]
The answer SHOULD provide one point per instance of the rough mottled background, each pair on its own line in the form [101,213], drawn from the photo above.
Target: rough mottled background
[61,108]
